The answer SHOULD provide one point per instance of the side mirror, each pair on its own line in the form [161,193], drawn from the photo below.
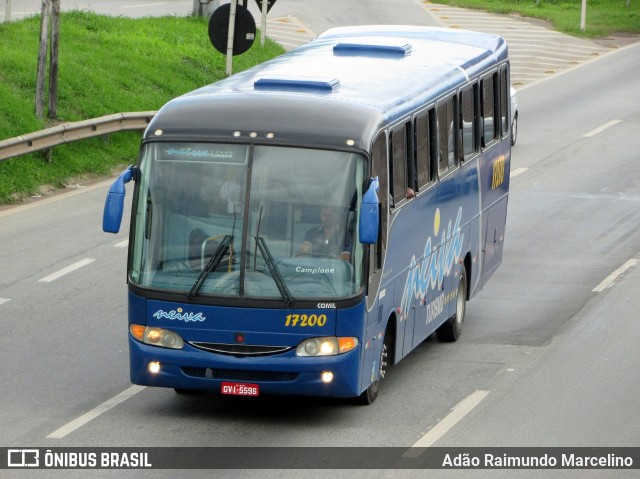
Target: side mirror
[114,205]
[370,214]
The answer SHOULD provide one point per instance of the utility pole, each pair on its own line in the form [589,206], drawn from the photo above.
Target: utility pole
[204,8]
[7,11]
[53,59]
[45,15]
[49,30]
[583,16]
[197,8]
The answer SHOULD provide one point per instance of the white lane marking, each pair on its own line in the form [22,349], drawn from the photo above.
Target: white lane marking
[613,277]
[67,270]
[517,172]
[94,413]
[463,408]
[600,129]
[4,300]
[122,244]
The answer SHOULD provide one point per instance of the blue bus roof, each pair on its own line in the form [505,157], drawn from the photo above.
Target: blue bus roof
[347,83]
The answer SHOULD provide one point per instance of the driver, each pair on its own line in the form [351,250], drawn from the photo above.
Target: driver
[327,239]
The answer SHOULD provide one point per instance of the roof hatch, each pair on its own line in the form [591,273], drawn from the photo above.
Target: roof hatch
[303,85]
[398,50]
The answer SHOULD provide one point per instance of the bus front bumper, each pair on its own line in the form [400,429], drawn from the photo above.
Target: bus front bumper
[283,374]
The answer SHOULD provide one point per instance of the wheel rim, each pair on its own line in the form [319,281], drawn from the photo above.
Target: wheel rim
[383,361]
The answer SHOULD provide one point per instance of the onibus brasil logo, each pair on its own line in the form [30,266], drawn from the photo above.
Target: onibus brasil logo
[430,273]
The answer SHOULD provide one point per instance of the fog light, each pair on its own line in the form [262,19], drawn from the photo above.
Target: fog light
[154,367]
[327,376]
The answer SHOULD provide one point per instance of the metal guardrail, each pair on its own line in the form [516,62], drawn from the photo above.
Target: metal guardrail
[74,131]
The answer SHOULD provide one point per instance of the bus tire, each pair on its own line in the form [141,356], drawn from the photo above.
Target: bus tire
[370,394]
[451,329]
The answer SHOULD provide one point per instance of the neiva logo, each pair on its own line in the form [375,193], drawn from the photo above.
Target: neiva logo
[431,272]
[179,315]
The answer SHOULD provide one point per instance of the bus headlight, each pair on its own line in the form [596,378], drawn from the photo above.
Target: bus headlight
[326,346]
[156,336]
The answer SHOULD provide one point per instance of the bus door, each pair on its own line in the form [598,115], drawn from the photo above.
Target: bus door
[495,167]
[495,222]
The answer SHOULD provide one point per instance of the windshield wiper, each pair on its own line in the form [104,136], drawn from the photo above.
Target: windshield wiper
[219,253]
[275,272]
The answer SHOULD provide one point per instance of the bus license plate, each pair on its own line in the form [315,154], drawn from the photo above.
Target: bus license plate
[240,389]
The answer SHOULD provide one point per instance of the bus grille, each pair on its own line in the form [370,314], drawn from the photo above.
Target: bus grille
[240,349]
[239,375]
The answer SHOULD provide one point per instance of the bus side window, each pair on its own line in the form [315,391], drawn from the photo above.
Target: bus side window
[412,166]
[468,120]
[446,135]
[505,96]
[424,141]
[488,107]
[398,160]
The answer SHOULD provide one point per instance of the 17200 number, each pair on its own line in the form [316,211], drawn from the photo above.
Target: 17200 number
[306,320]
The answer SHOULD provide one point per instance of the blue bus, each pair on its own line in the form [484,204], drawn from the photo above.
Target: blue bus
[301,226]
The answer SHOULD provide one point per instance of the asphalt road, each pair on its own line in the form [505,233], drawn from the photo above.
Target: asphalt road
[548,356]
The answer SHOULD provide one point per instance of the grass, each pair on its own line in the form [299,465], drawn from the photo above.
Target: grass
[106,65]
[604,17]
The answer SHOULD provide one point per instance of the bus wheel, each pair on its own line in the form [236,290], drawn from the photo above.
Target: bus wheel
[451,329]
[371,393]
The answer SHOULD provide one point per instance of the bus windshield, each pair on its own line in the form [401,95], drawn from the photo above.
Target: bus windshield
[267,222]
